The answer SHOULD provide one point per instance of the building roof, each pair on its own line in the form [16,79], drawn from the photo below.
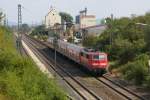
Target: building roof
[102,25]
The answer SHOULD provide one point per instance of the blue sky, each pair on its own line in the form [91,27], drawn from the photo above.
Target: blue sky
[35,10]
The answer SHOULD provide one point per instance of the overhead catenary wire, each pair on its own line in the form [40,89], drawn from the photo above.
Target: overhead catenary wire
[29,12]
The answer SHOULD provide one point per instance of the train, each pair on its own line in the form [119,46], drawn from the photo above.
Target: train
[94,61]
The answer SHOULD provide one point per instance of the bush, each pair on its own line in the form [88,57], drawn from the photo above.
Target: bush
[113,65]
[20,78]
[125,42]
[89,41]
[136,71]
[148,82]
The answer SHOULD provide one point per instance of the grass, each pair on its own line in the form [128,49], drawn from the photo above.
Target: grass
[20,78]
[4,97]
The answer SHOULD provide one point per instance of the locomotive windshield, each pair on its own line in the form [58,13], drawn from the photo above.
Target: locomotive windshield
[99,57]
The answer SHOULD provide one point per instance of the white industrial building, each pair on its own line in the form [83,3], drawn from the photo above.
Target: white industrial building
[86,25]
[52,18]
[83,20]
[87,21]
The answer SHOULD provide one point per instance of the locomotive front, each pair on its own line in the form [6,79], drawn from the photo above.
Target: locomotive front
[99,62]
[95,61]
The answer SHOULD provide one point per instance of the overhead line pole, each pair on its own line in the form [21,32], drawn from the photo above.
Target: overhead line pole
[19,28]
[19,17]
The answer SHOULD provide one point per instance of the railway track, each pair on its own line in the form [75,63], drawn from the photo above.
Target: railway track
[79,88]
[23,51]
[104,80]
[120,89]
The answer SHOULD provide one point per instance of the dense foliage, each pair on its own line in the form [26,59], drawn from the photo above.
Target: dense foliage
[25,28]
[40,32]
[65,17]
[127,42]
[90,41]
[20,79]
[136,70]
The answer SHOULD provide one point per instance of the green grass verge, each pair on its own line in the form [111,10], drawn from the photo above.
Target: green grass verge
[20,79]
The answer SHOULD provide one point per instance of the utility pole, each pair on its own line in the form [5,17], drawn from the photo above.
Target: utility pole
[111,34]
[55,47]
[19,17]
[19,28]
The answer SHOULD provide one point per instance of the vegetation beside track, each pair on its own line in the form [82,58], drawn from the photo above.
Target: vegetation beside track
[40,33]
[127,42]
[20,79]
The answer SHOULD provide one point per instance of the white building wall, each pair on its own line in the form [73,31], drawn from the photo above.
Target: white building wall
[87,21]
[52,18]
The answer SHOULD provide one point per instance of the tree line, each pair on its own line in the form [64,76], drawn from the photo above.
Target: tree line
[127,42]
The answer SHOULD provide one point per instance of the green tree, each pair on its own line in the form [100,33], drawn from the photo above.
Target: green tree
[126,42]
[67,18]
[147,37]
[137,70]
[25,28]
[89,41]
[38,30]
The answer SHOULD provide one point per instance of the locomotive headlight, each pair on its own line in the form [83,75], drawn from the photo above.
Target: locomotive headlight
[103,64]
[95,64]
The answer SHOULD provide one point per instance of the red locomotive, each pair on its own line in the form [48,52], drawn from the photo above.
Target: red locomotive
[94,61]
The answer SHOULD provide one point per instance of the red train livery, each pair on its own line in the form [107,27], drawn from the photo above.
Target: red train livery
[94,61]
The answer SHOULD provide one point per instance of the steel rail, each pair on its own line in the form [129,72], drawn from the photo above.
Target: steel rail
[114,83]
[94,95]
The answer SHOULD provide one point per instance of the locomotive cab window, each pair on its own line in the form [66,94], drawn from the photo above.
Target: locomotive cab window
[99,57]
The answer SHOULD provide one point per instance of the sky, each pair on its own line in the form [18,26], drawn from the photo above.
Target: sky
[33,11]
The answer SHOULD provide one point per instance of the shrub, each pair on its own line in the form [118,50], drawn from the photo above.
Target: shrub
[136,71]
[20,78]
[148,82]
[89,41]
